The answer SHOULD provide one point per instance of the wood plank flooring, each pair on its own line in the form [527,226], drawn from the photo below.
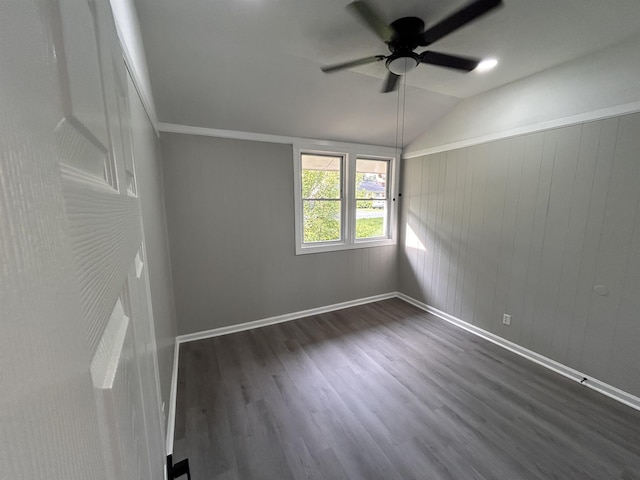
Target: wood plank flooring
[386,391]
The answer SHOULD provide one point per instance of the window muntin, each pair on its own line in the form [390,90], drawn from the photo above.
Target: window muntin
[372,198]
[322,197]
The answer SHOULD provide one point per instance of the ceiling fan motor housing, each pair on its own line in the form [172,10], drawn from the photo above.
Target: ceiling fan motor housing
[408,32]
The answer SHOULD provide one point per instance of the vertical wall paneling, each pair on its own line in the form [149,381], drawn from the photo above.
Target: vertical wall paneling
[456,229]
[615,246]
[595,219]
[430,241]
[413,176]
[565,154]
[530,226]
[524,232]
[575,238]
[439,221]
[465,190]
[491,227]
[417,227]
[512,163]
[446,256]
[626,337]
[414,223]
[477,157]
[420,256]
[547,157]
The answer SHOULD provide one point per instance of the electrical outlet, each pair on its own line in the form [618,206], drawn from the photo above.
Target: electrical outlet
[506,319]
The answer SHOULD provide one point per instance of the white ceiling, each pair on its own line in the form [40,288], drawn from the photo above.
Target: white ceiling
[254,65]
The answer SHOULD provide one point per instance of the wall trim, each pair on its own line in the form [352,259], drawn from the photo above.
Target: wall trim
[146,100]
[241,327]
[575,375]
[262,137]
[127,25]
[601,114]
[171,414]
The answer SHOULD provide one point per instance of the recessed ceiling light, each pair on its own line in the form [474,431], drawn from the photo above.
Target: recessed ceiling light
[486,65]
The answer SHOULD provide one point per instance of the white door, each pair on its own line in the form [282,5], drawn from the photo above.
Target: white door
[79,375]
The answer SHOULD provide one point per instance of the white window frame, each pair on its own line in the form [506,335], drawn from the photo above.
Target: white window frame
[351,152]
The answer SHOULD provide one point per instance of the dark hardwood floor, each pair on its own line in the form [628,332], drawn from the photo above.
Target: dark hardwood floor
[386,391]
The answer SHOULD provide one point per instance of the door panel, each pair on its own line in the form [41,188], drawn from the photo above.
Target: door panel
[114,380]
[124,127]
[82,132]
[105,234]
[116,97]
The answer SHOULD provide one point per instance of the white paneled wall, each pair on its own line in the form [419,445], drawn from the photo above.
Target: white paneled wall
[529,226]
[231,229]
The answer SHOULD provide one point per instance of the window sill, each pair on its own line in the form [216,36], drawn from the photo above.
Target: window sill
[334,247]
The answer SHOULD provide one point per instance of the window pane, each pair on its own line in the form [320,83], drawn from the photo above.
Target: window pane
[322,220]
[321,176]
[371,179]
[371,218]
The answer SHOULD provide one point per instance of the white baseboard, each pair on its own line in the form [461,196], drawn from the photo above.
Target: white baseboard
[287,317]
[171,416]
[590,382]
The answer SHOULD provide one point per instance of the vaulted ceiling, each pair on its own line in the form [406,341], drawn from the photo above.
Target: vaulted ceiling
[254,65]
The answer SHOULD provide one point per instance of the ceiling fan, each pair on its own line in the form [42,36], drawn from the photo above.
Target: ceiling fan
[408,33]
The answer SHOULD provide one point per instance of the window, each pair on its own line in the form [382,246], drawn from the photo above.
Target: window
[344,197]
[372,198]
[322,197]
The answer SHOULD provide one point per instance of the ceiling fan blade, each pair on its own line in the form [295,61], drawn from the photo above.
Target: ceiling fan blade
[467,14]
[352,63]
[391,82]
[372,19]
[449,61]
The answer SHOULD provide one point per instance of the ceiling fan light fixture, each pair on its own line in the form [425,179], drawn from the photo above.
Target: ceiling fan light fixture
[402,64]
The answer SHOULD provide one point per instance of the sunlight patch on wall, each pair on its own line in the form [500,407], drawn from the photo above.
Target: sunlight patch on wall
[412,240]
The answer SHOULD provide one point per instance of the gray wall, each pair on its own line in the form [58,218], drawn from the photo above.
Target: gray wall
[528,226]
[231,230]
[148,166]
